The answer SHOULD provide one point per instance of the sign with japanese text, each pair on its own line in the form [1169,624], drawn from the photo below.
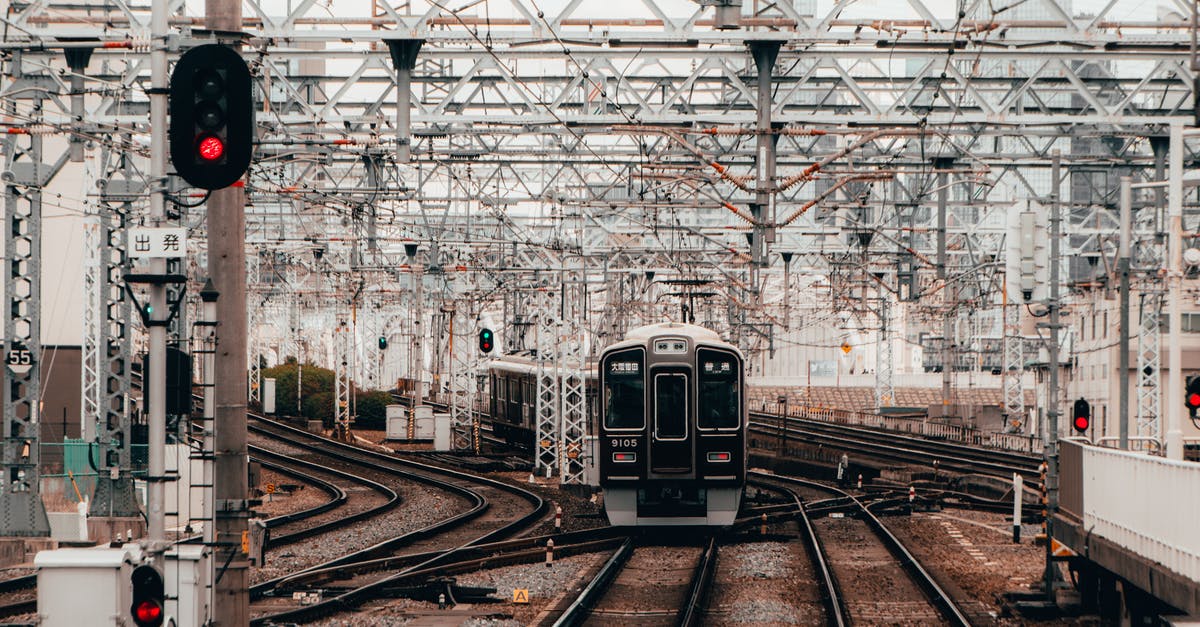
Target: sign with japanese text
[160,243]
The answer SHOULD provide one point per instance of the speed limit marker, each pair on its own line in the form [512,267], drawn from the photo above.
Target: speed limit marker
[19,359]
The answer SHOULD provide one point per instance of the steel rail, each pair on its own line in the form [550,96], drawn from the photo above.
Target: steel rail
[936,595]
[579,610]
[831,592]
[361,594]
[923,454]
[997,456]
[702,579]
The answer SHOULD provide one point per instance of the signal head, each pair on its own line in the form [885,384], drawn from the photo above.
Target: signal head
[486,340]
[1082,416]
[212,116]
[148,596]
[1191,396]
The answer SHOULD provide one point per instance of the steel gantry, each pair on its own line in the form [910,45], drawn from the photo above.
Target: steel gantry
[26,175]
[112,425]
[572,354]
[544,311]
[343,347]
[464,360]
[477,132]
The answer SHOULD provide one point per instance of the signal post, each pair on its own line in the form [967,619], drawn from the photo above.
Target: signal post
[212,137]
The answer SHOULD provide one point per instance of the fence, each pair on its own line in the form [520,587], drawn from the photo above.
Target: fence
[915,426]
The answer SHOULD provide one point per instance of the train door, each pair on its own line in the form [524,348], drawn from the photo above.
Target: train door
[670,446]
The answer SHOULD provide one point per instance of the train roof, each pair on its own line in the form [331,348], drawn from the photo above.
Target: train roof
[522,364]
[692,331]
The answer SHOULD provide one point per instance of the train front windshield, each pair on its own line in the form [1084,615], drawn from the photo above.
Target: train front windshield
[719,402]
[624,390]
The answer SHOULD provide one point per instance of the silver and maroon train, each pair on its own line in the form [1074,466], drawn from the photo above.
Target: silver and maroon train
[670,423]
[672,432]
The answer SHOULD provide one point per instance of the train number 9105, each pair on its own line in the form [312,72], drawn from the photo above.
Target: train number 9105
[624,442]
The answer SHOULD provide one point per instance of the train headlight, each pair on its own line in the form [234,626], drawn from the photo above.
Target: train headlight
[719,457]
[625,457]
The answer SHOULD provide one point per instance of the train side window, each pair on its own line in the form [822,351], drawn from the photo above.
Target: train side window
[625,390]
[719,393]
[670,406]
[499,385]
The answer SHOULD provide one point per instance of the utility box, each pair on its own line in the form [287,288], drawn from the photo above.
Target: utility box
[85,586]
[268,396]
[423,424]
[441,431]
[186,579]
[591,472]
[397,422]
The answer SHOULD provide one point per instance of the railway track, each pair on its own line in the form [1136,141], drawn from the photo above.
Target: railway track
[878,595]
[364,575]
[897,448]
[660,584]
[27,604]
[303,519]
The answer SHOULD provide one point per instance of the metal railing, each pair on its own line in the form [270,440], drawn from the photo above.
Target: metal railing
[923,427]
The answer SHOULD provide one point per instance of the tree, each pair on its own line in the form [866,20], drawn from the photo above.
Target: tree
[372,409]
[316,394]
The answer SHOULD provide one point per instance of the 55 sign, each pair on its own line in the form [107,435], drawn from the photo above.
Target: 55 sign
[19,359]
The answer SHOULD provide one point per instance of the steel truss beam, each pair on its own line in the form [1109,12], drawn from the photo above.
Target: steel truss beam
[544,312]
[343,343]
[21,509]
[572,356]
[464,366]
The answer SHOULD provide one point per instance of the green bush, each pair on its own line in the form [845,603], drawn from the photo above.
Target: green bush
[317,396]
[372,410]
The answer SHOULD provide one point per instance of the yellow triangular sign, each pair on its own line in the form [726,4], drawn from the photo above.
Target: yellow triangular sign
[1058,549]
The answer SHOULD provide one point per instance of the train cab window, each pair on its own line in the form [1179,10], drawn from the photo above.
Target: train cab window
[670,406]
[719,402]
[625,390]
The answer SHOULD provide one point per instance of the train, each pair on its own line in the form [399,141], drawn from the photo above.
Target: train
[672,427]
[673,456]
[512,402]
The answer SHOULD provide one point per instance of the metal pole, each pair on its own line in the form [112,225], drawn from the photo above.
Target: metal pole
[1174,430]
[157,383]
[1123,272]
[208,323]
[1018,493]
[942,273]
[1051,449]
[227,267]
[209,296]
[418,356]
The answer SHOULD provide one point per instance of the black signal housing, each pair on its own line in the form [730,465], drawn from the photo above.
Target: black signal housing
[212,116]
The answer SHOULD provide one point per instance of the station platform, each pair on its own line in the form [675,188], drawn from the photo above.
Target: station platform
[1130,521]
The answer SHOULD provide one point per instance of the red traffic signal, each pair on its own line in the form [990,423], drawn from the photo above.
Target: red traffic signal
[211,148]
[1082,416]
[1191,397]
[148,596]
[212,116]
[486,340]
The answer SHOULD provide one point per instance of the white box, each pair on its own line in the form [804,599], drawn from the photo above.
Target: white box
[425,428]
[441,431]
[268,396]
[186,579]
[397,422]
[85,586]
